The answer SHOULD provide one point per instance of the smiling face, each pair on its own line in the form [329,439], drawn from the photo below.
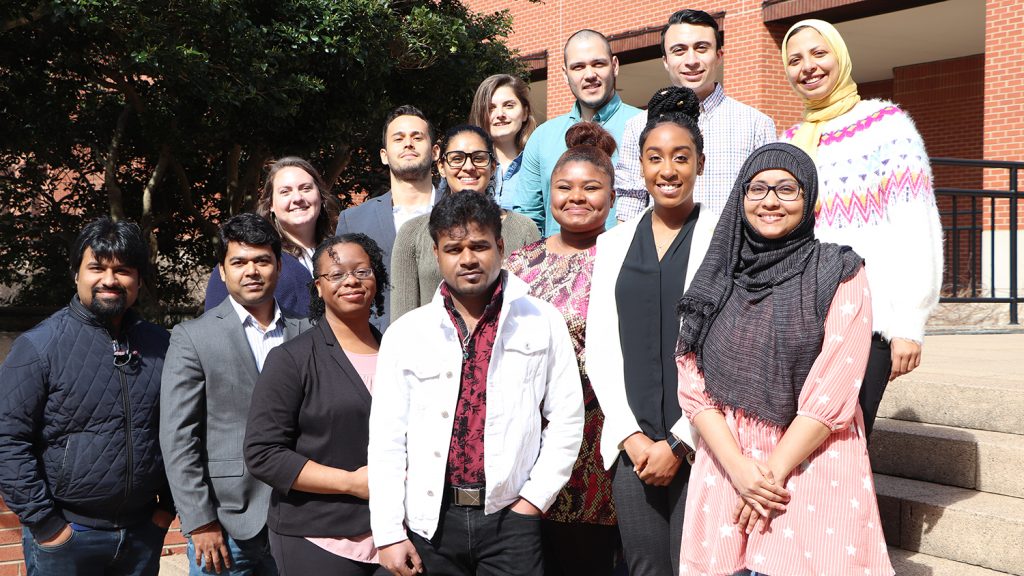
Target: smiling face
[467,177]
[507,115]
[811,64]
[408,152]
[296,201]
[250,273]
[351,297]
[469,259]
[590,70]
[581,196]
[671,164]
[107,288]
[691,57]
[770,217]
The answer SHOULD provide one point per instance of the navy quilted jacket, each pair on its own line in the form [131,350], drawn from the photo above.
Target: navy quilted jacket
[78,435]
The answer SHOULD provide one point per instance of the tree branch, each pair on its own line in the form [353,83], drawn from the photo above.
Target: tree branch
[185,186]
[147,219]
[114,193]
[34,15]
[342,156]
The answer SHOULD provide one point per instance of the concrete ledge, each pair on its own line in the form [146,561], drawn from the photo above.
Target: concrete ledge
[986,461]
[174,565]
[916,564]
[956,524]
[978,406]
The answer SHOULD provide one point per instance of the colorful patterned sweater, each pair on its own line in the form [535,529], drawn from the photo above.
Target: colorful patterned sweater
[875,194]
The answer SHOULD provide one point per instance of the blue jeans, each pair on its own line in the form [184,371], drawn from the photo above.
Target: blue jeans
[131,551]
[248,557]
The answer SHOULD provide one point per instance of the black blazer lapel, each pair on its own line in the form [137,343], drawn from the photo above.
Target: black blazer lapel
[333,349]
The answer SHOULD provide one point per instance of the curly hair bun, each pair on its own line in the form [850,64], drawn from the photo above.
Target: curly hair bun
[674,100]
[590,134]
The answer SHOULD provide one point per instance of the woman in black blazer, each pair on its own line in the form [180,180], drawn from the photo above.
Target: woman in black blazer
[309,419]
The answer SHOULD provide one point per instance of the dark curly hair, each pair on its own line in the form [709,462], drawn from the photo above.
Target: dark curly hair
[589,142]
[380,272]
[677,105]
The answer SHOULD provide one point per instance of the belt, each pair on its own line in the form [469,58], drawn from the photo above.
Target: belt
[467,497]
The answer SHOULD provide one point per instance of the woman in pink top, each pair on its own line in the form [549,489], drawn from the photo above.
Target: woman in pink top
[308,426]
[773,340]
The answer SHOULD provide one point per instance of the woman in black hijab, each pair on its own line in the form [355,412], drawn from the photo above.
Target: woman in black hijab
[773,339]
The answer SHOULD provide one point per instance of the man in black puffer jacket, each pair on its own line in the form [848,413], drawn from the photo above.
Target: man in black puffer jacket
[79,407]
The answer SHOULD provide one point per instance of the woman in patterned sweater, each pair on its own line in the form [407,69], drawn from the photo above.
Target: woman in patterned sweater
[579,532]
[876,196]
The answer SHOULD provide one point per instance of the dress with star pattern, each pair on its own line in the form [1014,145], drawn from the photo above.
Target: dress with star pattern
[831,525]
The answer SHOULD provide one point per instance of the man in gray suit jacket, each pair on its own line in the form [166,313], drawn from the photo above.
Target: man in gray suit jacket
[408,149]
[208,377]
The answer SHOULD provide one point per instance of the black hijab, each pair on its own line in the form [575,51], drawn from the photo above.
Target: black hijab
[755,311]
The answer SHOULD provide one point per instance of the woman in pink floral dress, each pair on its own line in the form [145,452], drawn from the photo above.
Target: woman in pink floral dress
[773,340]
[579,531]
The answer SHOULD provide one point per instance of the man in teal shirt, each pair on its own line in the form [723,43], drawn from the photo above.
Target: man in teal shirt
[590,70]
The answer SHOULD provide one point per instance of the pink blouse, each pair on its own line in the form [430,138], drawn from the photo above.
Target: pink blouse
[831,524]
[359,548]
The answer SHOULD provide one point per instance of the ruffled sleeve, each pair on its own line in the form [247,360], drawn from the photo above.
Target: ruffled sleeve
[830,393]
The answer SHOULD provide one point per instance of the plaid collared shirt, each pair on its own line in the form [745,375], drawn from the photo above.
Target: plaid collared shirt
[731,131]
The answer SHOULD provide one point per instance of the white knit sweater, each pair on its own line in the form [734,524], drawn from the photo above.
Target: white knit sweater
[875,195]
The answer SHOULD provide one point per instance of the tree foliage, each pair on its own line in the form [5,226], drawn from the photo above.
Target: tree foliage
[166,113]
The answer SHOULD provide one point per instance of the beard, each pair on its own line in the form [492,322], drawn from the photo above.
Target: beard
[410,172]
[107,308]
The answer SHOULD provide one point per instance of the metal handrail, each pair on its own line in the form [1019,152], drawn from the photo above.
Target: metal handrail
[954,230]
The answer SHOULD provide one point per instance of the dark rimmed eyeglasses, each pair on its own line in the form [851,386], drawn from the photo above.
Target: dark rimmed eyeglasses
[787,191]
[339,277]
[480,158]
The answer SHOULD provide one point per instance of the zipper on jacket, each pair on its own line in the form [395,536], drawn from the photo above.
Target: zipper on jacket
[127,431]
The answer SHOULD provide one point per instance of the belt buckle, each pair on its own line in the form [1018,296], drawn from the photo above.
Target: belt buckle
[467,496]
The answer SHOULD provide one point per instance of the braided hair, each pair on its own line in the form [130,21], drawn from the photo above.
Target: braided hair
[677,105]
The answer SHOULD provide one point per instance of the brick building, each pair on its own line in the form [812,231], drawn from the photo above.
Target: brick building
[954,65]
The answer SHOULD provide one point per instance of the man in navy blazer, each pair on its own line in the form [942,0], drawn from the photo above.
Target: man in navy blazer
[208,377]
[409,148]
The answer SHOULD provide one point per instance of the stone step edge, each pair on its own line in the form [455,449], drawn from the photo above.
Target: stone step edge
[910,563]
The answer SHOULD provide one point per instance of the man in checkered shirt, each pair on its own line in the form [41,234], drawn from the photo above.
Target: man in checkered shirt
[692,50]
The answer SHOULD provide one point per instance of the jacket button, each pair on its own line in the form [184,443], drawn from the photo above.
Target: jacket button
[448,375]
[437,454]
[444,414]
[430,493]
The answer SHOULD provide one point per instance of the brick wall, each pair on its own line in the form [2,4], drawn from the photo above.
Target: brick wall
[11,563]
[1004,96]
[752,70]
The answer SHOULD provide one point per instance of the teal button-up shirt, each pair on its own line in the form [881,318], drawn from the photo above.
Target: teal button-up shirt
[532,193]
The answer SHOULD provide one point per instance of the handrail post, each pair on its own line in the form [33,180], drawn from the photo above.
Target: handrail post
[1013,245]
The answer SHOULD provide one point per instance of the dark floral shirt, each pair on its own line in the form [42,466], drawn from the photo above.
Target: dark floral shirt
[466,452]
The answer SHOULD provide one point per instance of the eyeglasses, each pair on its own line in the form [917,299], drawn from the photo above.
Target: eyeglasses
[339,277]
[787,191]
[480,158]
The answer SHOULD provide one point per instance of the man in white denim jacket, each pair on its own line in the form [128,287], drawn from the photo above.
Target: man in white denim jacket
[457,451]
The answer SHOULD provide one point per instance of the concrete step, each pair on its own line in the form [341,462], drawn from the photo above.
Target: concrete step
[953,523]
[974,381]
[980,460]
[907,563]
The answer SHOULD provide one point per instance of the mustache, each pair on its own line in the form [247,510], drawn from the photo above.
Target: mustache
[119,290]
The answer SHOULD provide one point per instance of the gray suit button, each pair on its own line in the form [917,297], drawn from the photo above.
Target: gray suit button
[430,493]
[444,414]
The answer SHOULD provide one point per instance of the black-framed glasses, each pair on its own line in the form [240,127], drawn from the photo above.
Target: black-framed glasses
[339,277]
[480,158]
[787,191]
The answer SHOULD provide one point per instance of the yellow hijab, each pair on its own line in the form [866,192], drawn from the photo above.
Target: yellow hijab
[840,100]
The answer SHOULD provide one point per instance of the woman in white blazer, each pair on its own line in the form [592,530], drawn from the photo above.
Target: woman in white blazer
[642,268]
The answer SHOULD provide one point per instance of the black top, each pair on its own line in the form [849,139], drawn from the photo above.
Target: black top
[309,404]
[646,294]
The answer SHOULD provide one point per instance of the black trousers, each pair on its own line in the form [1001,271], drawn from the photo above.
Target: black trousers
[876,378]
[650,519]
[470,543]
[577,548]
[296,556]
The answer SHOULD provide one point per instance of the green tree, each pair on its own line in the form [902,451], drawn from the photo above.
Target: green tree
[166,113]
